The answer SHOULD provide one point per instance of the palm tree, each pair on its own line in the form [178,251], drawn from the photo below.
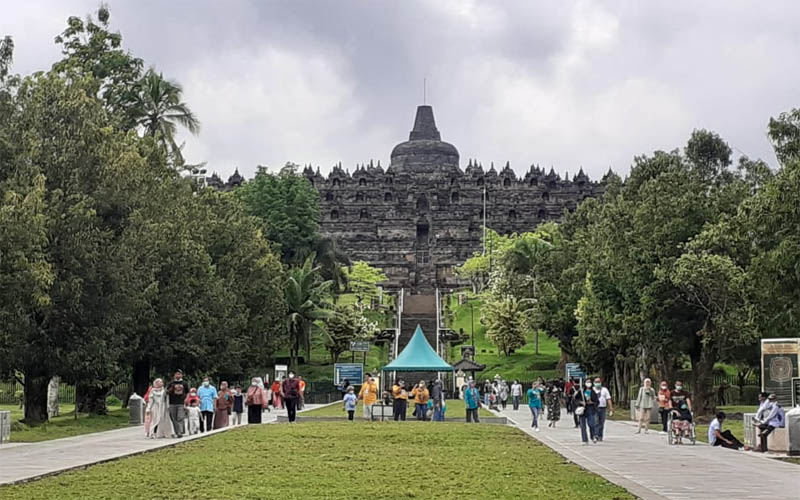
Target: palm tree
[158,109]
[308,301]
[331,260]
[523,259]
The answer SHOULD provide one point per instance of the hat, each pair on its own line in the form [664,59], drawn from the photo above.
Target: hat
[773,397]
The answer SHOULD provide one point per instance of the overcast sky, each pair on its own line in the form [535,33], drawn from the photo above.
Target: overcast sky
[567,84]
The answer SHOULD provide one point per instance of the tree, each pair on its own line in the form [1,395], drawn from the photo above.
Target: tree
[717,289]
[288,206]
[91,50]
[341,328]
[156,106]
[362,280]
[308,302]
[506,323]
[784,132]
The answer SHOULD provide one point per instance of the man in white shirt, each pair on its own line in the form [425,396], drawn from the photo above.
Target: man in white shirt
[769,418]
[718,437]
[605,404]
[516,394]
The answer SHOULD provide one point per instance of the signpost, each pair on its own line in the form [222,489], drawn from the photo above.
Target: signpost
[281,371]
[574,370]
[359,345]
[354,372]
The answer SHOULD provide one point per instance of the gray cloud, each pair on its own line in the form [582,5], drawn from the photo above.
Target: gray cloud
[567,84]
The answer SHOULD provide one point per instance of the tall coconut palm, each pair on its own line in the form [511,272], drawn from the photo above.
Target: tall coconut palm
[308,301]
[157,108]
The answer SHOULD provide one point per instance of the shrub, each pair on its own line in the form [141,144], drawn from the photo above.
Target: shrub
[113,401]
[542,364]
[749,394]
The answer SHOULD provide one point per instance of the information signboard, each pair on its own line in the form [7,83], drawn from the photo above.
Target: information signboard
[574,370]
[780,361]
[353,372]
[359,345]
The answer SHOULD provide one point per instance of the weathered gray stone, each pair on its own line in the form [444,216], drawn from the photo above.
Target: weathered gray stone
[423,215]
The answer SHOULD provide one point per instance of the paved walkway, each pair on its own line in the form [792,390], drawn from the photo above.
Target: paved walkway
[649,468]
[26,461]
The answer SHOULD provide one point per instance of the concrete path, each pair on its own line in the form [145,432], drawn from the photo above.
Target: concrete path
[26,461]
[649,468]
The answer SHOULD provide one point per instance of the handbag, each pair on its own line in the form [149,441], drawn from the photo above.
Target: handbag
[581,409]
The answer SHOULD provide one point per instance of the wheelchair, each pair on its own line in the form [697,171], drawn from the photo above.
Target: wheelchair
[678,429]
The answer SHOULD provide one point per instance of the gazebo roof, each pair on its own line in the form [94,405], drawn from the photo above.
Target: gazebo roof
[418,356]
[467,365]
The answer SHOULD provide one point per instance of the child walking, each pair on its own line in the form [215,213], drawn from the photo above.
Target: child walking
[349,401]
[238,405]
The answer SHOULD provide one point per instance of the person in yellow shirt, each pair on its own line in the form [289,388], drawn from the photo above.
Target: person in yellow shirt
[369,394]
[421,397]
[400,400]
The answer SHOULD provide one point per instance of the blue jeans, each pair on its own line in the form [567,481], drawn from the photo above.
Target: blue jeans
[438,414]
[535,412]
[515,400]
[421,410]
[600,423]
[587,419]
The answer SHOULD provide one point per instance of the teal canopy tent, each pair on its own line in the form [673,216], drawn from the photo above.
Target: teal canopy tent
[418,356]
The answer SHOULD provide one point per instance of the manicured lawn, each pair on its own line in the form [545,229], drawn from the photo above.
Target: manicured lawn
[524,364]
[337,460]
[455,410]
[66,425]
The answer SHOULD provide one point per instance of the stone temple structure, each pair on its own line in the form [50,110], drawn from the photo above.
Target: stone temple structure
[423,215]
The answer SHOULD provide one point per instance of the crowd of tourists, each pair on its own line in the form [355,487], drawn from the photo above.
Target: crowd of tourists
[176,409]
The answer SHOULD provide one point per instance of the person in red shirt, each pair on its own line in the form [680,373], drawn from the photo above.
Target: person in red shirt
[664,395]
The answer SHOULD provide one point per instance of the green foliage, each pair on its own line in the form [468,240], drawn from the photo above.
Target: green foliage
[784,132]
[91,50]
[362,280]
[506,323]
[308,302]
[289,207]
[454,448]
[109,260]
[341,327]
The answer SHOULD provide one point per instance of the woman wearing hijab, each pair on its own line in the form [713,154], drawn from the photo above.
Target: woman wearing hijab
[644,404]
[158,410]
[222,406]
[256,400]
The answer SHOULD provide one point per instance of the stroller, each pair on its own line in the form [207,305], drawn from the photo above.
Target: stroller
[680,425]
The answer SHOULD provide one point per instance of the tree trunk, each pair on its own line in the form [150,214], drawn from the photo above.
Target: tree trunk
[703,401]
[52,397]
[36,398]
[141,376]
[619,381]
[91,399]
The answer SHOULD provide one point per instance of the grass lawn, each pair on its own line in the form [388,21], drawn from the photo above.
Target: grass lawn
[337,460]
[524,364]
[455,410]
[66,425]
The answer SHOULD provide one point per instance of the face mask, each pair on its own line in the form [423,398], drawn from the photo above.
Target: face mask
[663,387]
[588,384]
[598,385]
[678,387]
[205,383]
[291,375]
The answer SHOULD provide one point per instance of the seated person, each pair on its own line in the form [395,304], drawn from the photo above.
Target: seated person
[681,421]
[718,437]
